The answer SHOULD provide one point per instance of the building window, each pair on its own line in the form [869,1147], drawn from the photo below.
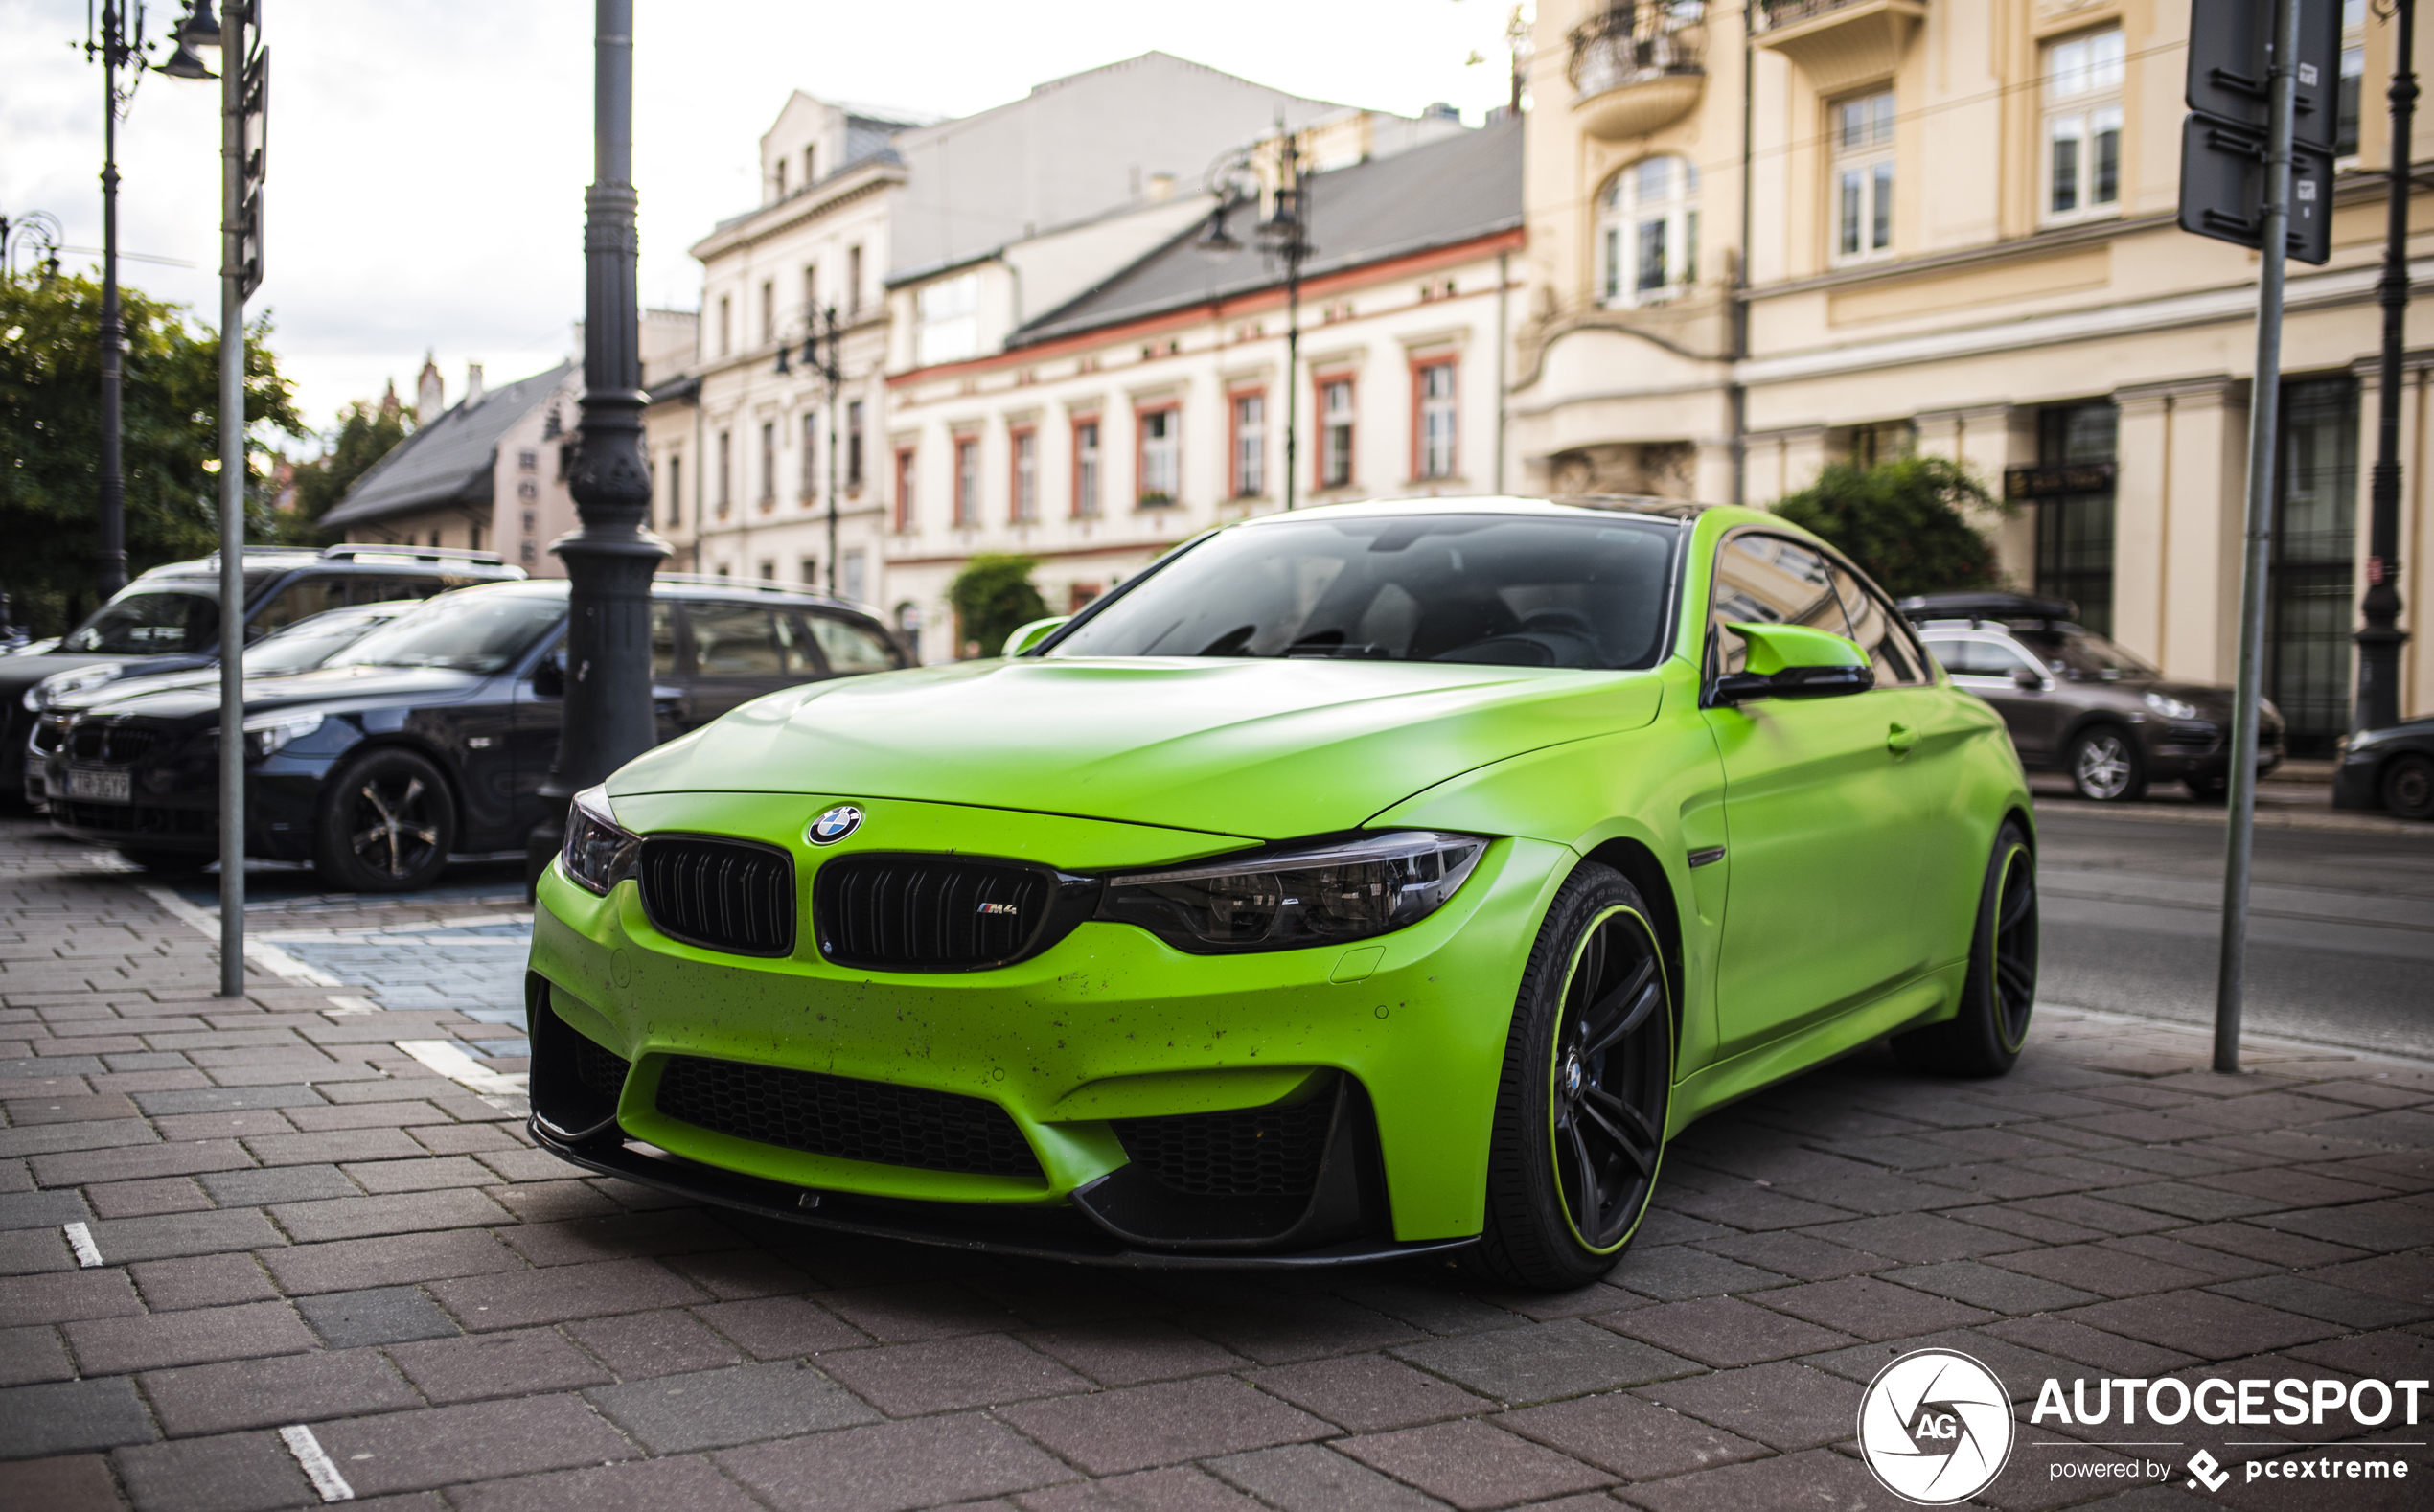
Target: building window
[531,521]
[769,312]
[811,437]
[726,471]
[1864,177]
[472,538]
[2353,75]
[528,461]
[853,280]
[1649,232]
[781,178]
[850,574]
[1434,419]
[675,492]
[854,444]
[811,289]
[527,489]
[1335,432]
[2083,125]
[909,627]
[1023,492]
[2310,586]
[769,465]
[2074,531]
[726,325]
[949,313]
[806,570]
[1250,450]
[1085,467]
[904,487]
[529,551]
[967,480]
[811,165]
[1160,463]
[768,570]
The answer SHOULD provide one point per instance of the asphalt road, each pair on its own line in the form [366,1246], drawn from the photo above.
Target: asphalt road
[2340,932]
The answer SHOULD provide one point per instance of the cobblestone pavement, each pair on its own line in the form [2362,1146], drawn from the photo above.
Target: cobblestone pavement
[256,1253]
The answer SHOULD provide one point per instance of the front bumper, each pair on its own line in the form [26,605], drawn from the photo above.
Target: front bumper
[2179,754]
[1107,1026]
[176,807]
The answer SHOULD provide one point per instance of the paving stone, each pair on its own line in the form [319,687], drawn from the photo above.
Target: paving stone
[2170,1252]
[1750,1206]
[383,1177]
[1866,1308]
[1724,1331]
[890,1467]
[1545,1361]
[237,1472]
[915,1311]
[64,1416]
[1367,1394]
[1274,1332]
[334,1147]
[354,1264]
[2403,1277]
[1584,1301]
[43,1209]
[25,1252]
[664,1343]
[2022,1369]
[2089,1347]
[1800,1255]
[1435,1308]
[1975,1283]
[2390,1354]
[66,1297]
[387,1315]
[59,1138]
[33,1354]
[1818,1480]
[2334,1304]
[1473,1464]
[407,1212]
[1134,1428]
[230,1395]
[776,1327]
[227,1099]
[647,1485]
[717,1409]
[2101,1269]
[170,1194]
[363,1115]
[443,1445]
[2203,1323]
[259,1187]
[143,1162]
[2266,1244]
[942,1375]
[1678,1272]
[473,1368]
[524,1297]
[466,1138]
[1783,1405]
[1918,1238]
[1629,1437]
[2097,1213]
[64,1483]
[2378,1228]
[123,1240]
[551,1201]
[1132,1351]
[121,1346]
[625,1234]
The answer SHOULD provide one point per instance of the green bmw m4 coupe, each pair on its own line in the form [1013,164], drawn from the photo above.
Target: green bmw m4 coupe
[1361,882]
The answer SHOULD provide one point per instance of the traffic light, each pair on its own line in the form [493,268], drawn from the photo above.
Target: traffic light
[2223,141]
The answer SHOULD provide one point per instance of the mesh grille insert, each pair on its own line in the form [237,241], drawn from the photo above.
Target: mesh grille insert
[1251,1151]
[931,913]
[119,745]
[722,895]
[600,1070]
[845,1117]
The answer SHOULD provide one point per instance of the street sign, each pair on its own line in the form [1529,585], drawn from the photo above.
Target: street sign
[2223,188]
[2223,141]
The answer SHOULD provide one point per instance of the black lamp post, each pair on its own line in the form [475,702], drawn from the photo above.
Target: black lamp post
[1284,234]
[114,36]
[2378,705]
[610,557]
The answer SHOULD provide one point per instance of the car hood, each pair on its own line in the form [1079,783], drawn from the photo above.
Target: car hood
[20,672]
[1266,750]
[328,687]
[123,689]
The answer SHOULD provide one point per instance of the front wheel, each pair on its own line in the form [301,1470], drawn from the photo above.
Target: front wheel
[2408,787]
[2107,768]
[1580,1110]
[388,824]
[1983,1037]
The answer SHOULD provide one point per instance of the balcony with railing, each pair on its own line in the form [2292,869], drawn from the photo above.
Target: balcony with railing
[1838,43]
[1639,66]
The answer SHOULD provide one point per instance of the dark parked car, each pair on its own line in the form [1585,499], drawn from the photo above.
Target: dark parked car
[2081,704]
[429,738]
[2390,769]
[167,620]
[301,647]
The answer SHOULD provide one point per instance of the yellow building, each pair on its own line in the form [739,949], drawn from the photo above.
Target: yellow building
[1767,238]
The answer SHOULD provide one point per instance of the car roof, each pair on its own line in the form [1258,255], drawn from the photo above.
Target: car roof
[1567,506]
[694,589]
[261,562]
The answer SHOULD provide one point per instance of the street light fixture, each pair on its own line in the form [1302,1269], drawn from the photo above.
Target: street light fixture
[36,231]
[831,369]
[1285,234]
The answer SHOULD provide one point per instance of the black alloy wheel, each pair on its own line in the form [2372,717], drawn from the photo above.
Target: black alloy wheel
[1984,1036]
[2408,785]
[388,824]
[2107,765]
[1580,1112]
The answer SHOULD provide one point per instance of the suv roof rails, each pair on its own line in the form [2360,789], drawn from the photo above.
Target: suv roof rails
[1975,607]
[349,550]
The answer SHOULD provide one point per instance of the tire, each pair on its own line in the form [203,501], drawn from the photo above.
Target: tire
[168,863]
[1983,1037]
[387,823]
[2107,765]
[2408,785]
[1579,1132]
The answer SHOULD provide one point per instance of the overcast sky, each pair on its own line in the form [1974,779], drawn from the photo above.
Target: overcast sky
[428,157]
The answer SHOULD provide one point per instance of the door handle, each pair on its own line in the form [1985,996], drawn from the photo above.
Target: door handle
[1899,738]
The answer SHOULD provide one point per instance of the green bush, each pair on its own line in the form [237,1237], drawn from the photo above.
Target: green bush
[1902,521]
[993,597]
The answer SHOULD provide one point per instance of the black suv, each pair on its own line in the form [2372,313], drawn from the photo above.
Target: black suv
[167,620]
[429,737]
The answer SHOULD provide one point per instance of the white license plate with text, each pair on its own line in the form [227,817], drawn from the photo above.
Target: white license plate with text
[101,787]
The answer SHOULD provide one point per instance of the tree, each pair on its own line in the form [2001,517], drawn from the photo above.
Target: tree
[1902,521]
[993,598]
[51,439]
[365,434]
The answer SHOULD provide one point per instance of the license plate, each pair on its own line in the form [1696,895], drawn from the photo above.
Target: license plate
[101,787]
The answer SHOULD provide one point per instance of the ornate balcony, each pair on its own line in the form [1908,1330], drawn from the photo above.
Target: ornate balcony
[1838,43]
[1639,66]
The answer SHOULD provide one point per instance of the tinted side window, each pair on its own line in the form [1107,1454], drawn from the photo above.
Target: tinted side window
[731,640]
[149,625]
[382,590]
[299,599]
[663,640]
[1880,632]
[1768,579]
[849,647]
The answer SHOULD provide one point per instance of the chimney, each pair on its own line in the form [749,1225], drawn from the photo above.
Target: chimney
[472,385]
[430,395]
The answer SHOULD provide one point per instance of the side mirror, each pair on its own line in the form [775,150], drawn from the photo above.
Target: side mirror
[1792,661]
[1029,636]
[549,677]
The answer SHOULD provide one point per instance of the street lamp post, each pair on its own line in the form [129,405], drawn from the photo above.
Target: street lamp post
[114,39]
[610,557]
[2378,705]
[1284,234]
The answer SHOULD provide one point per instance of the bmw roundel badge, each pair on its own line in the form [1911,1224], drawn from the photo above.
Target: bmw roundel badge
[834,825]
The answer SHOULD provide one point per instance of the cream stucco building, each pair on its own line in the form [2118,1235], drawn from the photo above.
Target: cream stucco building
[1859,226]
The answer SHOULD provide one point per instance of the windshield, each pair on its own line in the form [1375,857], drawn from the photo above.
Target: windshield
[152,624]
[1504,590]
[309,642]
[476,631]
[2085,653]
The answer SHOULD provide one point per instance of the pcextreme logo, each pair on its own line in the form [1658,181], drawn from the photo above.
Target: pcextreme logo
[1935,1427]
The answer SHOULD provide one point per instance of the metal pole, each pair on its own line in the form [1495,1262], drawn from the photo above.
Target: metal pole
[2378,705]
[609,555]
[232,503]
[2264,407]
[1504,346]
[835,373]
[113,489]
[1293,249]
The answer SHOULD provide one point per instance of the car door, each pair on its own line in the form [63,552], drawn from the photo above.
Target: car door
[740,652]
[1822,828]
[1992,667]
[541,706]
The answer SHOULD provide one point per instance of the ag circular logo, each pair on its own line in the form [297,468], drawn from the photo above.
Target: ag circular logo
[1935,1427]
[834,825]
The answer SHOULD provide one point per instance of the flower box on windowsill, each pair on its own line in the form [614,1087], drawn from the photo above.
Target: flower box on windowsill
[1154,501]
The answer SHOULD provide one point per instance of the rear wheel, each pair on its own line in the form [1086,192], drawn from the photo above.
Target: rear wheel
[1580,1111]
[2408,787]
[1983,1037]
[2105,765]
[388,824]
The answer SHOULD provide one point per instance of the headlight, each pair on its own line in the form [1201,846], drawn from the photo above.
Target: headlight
[266,734]
[598,853]
[2170,707]
[59,684]
[1284,899]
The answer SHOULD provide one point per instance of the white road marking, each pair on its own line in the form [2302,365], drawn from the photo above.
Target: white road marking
[315,1463]
[449,1059]
[80,1239]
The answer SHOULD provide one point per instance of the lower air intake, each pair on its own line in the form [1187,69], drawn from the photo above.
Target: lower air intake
[845,1117]
[1252,1152]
